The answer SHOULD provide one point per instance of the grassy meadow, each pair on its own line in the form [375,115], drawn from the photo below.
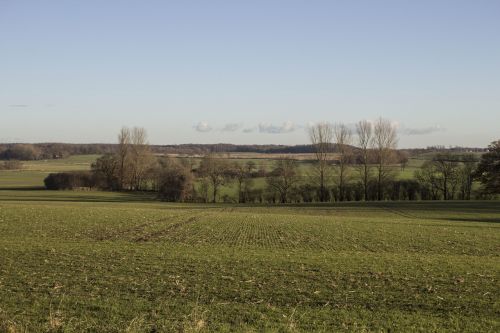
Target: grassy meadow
[85,261]
[34,172]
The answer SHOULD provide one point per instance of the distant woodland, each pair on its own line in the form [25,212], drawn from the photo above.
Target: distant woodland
[42,151]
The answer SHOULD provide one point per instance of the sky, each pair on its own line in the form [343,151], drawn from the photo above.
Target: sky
[248,72]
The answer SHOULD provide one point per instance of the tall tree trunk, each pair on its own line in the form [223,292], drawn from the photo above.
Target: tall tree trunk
[322,186]
[379,183]
[366,181]
[445,188]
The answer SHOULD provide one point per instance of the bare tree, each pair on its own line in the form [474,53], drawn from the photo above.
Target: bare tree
[469,163]
[364,130]
[321,136]
[343,140]
[446,167]
[403,159]
[283,178]
[214,169]
[243,175]
[441,175]
[123,155]
[141,157]
[384,143]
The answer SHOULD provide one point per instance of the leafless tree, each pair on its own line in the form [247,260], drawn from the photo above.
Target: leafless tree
[469,164]
[343,140]
[242,173]
[141,158]
[321,136]
[447,168]
[123,155]
[134,158]
[441,175]
[384,143]
[364,131]
[215,170]
[283,177]
[403,159]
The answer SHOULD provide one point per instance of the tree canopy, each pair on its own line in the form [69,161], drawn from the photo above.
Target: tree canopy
[488,170]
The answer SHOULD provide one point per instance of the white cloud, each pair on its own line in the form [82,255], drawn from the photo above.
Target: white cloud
[287,127]
[203,127]
[231,127]
[422,131]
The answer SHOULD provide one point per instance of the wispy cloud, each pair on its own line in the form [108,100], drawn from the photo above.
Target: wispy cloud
[231,127]
[287,127]
[401,128]
[422,131]
[264,128]
[203,127]
[249,130]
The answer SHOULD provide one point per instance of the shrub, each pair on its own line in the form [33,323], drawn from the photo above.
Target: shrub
[175,182]
[68,180]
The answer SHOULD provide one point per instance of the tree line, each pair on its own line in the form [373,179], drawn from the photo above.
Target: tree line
[350,164]
[47,151]
[43,151]
[372,176]
[39,151]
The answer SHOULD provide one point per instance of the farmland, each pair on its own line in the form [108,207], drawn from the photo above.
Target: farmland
[249,166]
[92,261]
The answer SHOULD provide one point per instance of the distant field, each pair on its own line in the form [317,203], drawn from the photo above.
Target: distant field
[254,156]
[76,162]
[34,172]
[88,262]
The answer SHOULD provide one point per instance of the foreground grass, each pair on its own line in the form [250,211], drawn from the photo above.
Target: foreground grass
[114,265]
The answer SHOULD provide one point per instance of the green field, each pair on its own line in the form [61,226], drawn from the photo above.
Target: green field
[34,172]
[88,261]
[109,262]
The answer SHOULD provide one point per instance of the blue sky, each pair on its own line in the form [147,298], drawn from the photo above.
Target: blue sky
[248,71]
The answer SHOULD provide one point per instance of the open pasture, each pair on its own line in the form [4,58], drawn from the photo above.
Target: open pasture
[116,265]
[34,172]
